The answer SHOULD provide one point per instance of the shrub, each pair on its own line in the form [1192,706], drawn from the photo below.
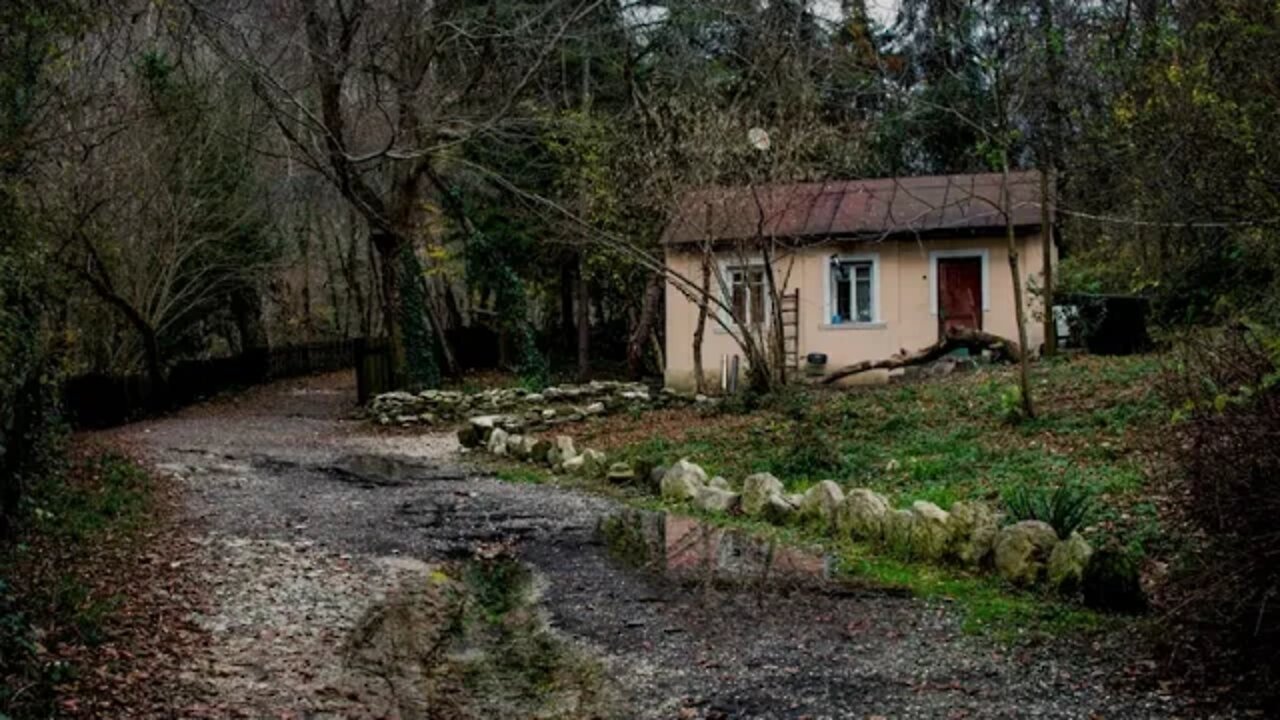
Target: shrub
[1011,408]
[810,450]
[1112,583]
[1067,508]
[1227,446]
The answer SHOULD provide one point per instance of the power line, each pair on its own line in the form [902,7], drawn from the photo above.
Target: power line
[1207,224]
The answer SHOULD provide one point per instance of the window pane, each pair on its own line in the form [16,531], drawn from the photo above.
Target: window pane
[757,304]
[866,313]
[843,299]
[739,297]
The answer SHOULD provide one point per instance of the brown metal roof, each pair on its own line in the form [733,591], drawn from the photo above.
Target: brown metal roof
[854,208]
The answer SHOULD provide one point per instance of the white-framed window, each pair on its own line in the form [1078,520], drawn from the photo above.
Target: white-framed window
[853,290]
[748,293]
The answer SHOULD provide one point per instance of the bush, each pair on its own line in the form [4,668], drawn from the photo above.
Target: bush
[1011,408]
[1112,583]
[1066,509]
[1228,448]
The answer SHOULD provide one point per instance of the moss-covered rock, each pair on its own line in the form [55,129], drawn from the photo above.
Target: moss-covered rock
[756,491]
[930,533]
[972,528]
[898,528]
[780,509]
[621,473]
[682,481]
[1022,550]
[822,501]
[862,514]
[1067,563]
[713,499]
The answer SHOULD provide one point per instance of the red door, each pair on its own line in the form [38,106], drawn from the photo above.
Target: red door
[959,294]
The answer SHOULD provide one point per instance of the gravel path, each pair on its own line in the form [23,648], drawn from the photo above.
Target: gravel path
[309,519]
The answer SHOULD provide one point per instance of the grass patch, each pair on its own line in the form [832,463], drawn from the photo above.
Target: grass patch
[948,439]
[989,606]
[520,474]
[944,440]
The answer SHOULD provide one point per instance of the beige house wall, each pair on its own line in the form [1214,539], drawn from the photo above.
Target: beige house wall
[906,317]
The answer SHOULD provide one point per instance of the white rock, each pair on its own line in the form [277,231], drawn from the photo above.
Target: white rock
[1023,549]
[562,450]
[712,499]
[822,501]
[756,491]
[930,531]
[972,528]
[862,514]
[683,480]
[899,526]
[575,465]
[498,441]
[781,509]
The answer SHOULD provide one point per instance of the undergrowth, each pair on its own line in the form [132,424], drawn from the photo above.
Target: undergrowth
[103,500]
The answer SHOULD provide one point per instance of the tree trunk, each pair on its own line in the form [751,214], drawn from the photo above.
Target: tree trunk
[568,323]
[246,308]
[584,321]
[644,325]
[1046,237]
[776,342]
[1050,146]
[700,331]
[1024,373]
[388,254]
[953,339]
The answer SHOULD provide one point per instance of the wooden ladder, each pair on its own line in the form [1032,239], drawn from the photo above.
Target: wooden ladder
[790,311]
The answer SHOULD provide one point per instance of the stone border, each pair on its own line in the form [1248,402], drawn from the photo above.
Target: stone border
[519,408]
[1027,554]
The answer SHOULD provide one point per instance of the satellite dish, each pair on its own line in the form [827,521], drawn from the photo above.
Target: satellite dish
[759,138]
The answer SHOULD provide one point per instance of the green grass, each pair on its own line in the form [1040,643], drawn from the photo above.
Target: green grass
[943,441]
[520,474]
[947,440]
[988,606]
[112,496]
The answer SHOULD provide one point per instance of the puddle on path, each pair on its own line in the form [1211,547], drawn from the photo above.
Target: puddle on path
[372,471]
[685,548]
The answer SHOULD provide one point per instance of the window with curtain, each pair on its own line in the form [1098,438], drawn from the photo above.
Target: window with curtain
[747,286]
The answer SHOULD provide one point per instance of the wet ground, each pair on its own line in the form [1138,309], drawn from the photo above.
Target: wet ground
[312,519]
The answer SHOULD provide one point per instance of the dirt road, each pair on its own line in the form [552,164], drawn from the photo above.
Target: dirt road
[310,520]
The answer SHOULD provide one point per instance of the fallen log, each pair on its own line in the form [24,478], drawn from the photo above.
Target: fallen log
[955,338]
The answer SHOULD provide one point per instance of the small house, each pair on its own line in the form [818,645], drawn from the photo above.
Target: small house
[861,269]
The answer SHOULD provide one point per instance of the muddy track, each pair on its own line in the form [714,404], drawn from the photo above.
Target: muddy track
[330,519]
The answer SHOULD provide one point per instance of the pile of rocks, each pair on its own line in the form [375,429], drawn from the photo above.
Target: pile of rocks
[553,406]
[495,435]
[1025,553]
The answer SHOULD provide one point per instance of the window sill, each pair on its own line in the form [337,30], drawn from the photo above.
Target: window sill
[855,326]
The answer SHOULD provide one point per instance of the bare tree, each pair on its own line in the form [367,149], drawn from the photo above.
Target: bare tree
[386,94]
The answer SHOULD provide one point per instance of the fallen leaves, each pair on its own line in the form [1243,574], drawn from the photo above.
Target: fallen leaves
[112,609]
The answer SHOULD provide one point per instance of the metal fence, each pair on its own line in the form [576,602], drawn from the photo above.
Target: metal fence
[98,400]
